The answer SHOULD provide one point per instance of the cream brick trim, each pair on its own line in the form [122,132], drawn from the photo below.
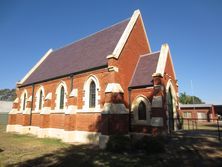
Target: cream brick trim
[16,100]
[135,105]
[113,87]
[74,93]
[46,110]
[36,66]
[65,136]
[71,109]
[126,35]
[86,94]
[29,99]
[13,111]
[113,68]
[48,96]
[161,65]
[111,108]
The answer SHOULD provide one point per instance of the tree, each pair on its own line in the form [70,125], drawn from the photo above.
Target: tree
[187,99]
[7,94]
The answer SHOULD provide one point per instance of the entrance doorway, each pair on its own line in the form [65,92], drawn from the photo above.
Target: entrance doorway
[170,111]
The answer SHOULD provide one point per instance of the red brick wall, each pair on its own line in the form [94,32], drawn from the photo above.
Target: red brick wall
[88,122]
[78,82]
[36,119]
[206,110]
[12,119]
[135,46]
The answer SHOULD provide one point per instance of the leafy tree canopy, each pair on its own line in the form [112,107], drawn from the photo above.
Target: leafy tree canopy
[7,94]
[187,99]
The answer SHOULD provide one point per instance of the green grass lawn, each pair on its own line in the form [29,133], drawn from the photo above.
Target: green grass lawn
[24,150]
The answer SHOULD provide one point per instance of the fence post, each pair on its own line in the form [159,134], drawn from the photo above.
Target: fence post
[188,124]
[196,123]
[218,128]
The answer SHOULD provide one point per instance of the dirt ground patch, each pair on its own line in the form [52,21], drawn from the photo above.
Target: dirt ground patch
[182,149]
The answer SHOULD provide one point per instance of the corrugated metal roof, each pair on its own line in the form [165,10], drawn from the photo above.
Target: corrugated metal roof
[195,105]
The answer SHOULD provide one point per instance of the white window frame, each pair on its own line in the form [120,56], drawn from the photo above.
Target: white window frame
[200,116]
[41,88]
[22,100]
[135,106]
[86,88]
[187,114]
[58,91]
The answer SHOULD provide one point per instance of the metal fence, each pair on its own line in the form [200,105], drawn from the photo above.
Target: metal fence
[212,127]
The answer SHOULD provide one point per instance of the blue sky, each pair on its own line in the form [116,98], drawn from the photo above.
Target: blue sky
[193,29]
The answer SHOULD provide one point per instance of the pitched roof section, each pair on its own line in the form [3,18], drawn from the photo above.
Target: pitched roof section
[195,105]
[87,53]
[145,68]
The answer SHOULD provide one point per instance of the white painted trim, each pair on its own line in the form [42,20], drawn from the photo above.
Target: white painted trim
[161,65]
[86,94]
[135,105]
[36,66]
[114,88]
[125,35]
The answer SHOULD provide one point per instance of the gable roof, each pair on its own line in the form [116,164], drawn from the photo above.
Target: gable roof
[144,70]
[85,54]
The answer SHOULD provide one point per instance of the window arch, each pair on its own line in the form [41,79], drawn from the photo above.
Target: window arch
[61,93]
[24,102]
[91,94]
[24,97]
[142,111]
[39,99]
[141,108]
[62,97]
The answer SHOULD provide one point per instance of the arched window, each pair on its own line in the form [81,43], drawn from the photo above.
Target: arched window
[24,101]
[142,111]
[40,100]
[141,108]
[92,94]
[62,97]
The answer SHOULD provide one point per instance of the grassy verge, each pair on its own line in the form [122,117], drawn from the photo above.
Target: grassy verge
[181,150]
[16,148]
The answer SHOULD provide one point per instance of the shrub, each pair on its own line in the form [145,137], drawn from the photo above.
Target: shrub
[118,144]
[149,144]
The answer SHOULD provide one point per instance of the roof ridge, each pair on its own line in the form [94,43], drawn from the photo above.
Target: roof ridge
[91,35]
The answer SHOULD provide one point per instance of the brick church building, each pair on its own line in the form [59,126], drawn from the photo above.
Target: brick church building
[105,84]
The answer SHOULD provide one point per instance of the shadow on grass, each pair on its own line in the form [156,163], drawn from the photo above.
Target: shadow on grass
[181,150]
